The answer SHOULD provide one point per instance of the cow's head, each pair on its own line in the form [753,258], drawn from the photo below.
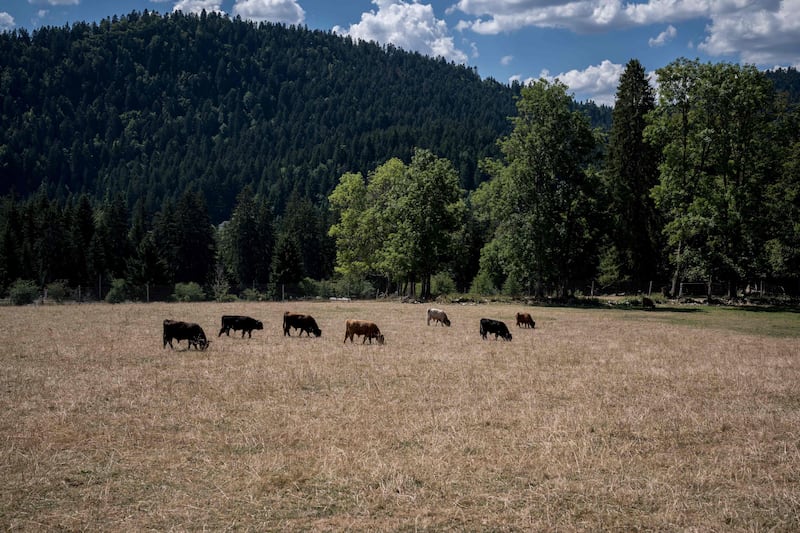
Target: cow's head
[317,332]
[379,338]
[259,325]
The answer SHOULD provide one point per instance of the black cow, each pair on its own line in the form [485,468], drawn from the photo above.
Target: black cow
[302,322]
[192,333]
[236,323]
[494,326]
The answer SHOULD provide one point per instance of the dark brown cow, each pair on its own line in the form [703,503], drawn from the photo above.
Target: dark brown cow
[302,322]
[525,320]
[362,327]
[191,333]
[237,322]
[497,327]
[437,315]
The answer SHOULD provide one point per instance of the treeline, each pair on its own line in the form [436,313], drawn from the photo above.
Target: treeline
[156,150]
[76,244]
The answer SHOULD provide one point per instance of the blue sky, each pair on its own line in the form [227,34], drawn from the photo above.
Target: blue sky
[584,43]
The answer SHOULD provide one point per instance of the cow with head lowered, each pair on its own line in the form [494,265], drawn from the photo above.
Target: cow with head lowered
[524,320]
[498,328]
[237,322]
[438,316]
[302,322]
[188,331]
[369,330]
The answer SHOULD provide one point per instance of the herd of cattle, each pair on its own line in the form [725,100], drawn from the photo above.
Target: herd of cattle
[194,335]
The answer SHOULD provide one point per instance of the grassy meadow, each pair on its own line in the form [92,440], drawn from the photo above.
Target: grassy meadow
[674,419]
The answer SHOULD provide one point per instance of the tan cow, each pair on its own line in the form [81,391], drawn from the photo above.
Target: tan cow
[437,315]
[525,320]
[362,328]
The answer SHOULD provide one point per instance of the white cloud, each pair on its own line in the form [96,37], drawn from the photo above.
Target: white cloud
[596,82]
[285,11]
[55,2]
[664,37]
[506,60]
[6,22]
[759,35]
[762,32]
[197,6]
[408,25]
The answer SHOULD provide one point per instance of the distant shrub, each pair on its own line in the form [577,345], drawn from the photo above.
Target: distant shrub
[57,291]
[23,292]
[188,292]
[482,284]
[512,286]
[442,284]
[119,292]
[252,295]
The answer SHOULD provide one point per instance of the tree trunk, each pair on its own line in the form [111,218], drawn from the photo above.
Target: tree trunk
[676,275]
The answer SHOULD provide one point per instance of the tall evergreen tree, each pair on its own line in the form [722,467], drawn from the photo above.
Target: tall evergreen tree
[631,171]
[195,247]
[247,240]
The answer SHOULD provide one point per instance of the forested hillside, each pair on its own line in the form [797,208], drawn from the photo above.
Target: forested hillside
[150,105]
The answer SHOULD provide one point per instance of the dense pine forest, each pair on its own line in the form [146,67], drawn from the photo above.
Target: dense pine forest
[152,150]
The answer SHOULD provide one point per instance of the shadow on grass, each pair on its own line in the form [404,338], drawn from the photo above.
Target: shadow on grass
[766,308]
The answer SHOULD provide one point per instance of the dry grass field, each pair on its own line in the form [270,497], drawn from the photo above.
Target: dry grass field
[596,420]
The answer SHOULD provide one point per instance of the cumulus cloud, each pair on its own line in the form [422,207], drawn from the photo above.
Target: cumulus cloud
[761,32]
[664,37]
[506,60]
[758,35]
[56,2]
[198,6]
[596,82]
[408,25]
[6,22]
[285,11]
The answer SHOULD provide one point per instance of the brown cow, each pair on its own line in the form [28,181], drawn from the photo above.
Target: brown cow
[525,320]
[437,315]
[362,328]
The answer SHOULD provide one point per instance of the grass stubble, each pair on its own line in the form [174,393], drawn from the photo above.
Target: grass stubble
[595,420]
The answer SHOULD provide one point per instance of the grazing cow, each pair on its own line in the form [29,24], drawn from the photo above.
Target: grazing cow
[525,320]
[437,315]
[192,333]
[236,323]
[361,327]
[302,322]
[494,326]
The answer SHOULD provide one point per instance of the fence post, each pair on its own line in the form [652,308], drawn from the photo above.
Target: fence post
[650,288]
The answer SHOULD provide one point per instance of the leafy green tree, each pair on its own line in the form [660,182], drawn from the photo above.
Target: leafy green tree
[713,121]
[356,242]
[631,171]
[542,202]
[783,201]
[402,223]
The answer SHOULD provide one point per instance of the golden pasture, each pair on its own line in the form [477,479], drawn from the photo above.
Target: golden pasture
[595,420]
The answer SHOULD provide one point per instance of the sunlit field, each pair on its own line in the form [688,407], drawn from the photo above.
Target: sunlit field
[682,419]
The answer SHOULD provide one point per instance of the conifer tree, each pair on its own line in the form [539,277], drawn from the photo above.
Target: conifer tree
[631,171]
